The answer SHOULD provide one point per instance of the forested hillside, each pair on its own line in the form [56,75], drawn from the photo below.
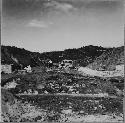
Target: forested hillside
[83,56]
[17,56]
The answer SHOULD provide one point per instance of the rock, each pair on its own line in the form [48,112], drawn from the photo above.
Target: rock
[67,111]
[46,92]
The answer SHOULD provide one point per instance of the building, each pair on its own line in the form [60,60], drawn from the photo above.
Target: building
[66,64]
[28,69]
[22,71]
[6,68]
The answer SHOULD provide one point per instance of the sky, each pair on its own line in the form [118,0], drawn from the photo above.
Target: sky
[51,25]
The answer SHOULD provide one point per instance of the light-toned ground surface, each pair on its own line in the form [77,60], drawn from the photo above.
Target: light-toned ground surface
[118,72]
[93,118]
[73,95]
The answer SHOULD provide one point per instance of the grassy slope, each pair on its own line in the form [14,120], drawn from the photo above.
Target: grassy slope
[54,82]
[33,80]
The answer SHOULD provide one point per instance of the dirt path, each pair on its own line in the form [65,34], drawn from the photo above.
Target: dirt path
[73,95]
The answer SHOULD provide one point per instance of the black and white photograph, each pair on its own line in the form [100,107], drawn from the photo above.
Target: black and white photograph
[62,61]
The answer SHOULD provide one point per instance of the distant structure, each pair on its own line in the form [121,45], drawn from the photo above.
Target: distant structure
[28,69]
[6,68]
[66,64]
[47,63]
[50,63]
[22,71]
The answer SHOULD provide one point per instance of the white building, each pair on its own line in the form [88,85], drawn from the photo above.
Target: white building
[28,69]
[66,64]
